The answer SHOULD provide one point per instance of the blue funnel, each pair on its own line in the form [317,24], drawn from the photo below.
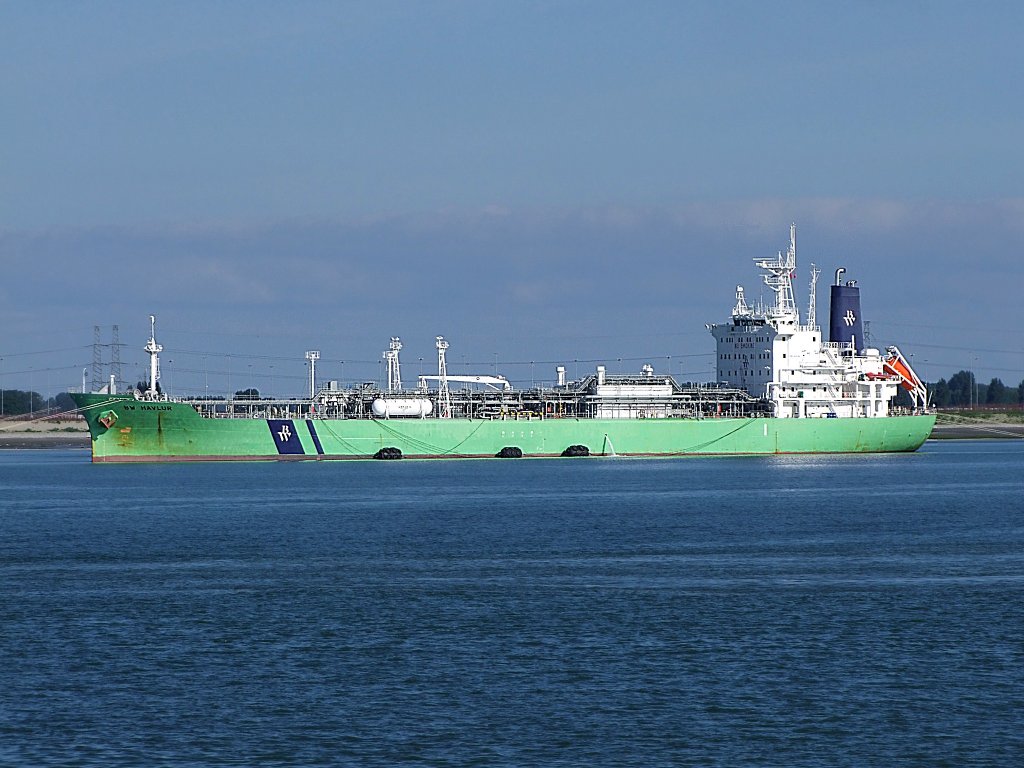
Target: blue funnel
[845,324]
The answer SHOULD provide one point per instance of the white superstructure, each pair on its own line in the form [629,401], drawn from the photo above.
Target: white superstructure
[768,352]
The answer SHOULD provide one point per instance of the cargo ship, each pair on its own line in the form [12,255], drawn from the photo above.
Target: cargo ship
[780,388]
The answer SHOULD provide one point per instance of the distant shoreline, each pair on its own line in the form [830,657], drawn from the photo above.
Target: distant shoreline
[990,431]
[44,440]
[43,434]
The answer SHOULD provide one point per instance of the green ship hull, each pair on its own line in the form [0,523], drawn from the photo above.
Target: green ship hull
[124,429]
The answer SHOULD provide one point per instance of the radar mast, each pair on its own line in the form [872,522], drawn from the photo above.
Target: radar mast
[781,271]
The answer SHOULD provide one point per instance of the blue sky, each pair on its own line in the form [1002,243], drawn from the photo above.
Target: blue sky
[537,181]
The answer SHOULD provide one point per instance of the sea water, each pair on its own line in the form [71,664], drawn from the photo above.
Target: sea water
[843,610]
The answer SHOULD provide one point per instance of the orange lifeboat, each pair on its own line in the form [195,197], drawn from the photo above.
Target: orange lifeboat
[897,368]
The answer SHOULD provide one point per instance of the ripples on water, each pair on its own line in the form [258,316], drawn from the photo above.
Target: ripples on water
[861,610]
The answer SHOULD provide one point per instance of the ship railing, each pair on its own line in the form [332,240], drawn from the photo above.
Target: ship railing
[838,346]
[249,409]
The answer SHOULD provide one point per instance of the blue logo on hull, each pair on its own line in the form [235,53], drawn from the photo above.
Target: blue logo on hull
[285,437]
[315,436]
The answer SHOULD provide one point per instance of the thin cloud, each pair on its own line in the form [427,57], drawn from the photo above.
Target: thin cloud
[539,283]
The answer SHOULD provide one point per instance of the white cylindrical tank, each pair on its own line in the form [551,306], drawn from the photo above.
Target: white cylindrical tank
[401,406]
[600,374]
[560,375]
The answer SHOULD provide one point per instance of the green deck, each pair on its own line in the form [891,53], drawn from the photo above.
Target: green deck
[155,431]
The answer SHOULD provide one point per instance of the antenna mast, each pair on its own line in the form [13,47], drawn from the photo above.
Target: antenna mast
[444,399]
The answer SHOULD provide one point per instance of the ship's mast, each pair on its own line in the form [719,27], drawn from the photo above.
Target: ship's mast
[781,272]
[394,371]
[444,399]
[154,350]
[812,301]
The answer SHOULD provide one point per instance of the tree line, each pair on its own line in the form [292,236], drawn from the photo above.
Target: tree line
[962,390]
[17,402]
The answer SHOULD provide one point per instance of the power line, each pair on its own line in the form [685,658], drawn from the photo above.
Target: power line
[965,349]
[559,361]
[8,355]
[43,370]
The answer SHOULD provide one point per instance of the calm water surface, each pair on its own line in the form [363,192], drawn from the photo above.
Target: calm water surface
[864,610]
